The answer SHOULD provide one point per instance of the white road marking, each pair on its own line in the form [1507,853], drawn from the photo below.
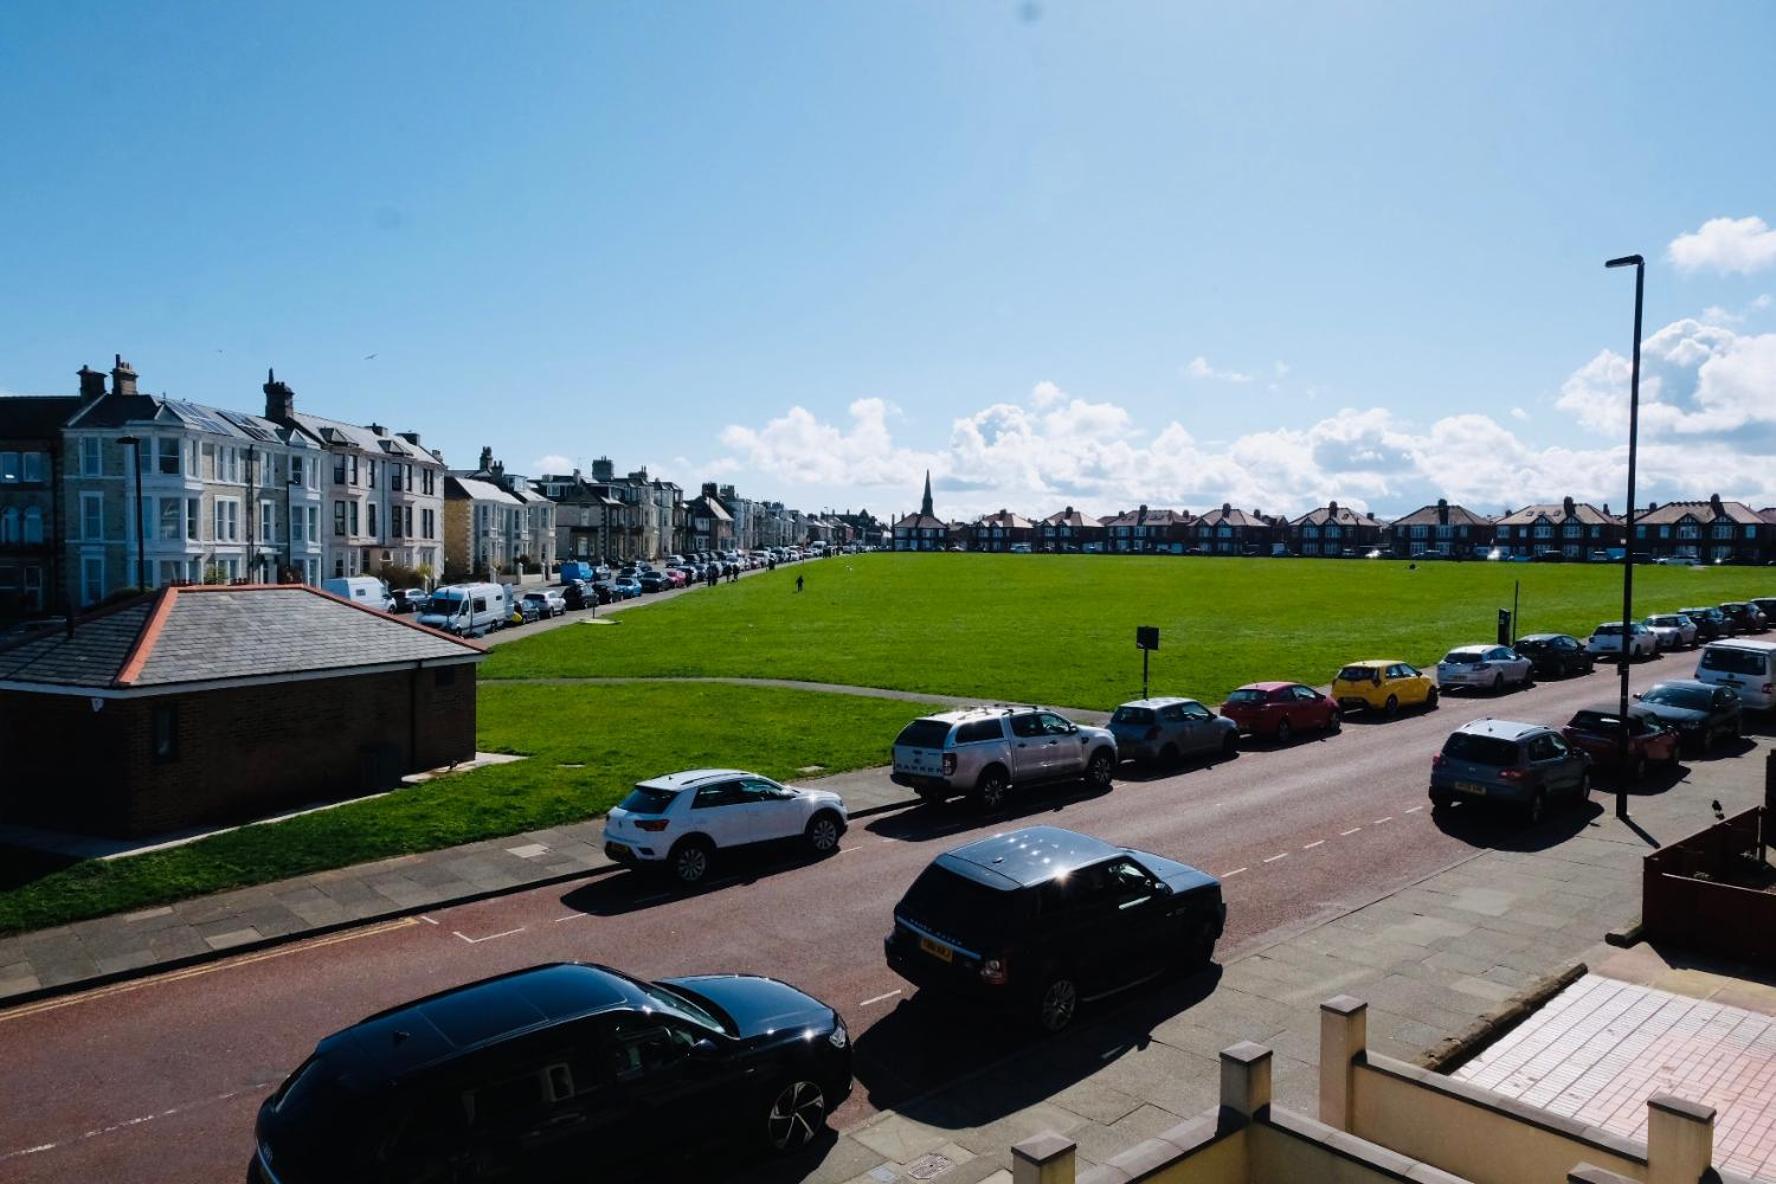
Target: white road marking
[572,917]
[1312,845]
[1413,809]
[1274,858]
[880,998]
[847,850]
[475,941]
[1229,875]
[1379,821]
[30,1150]
[427,919]
[1353,830]
[133,1122]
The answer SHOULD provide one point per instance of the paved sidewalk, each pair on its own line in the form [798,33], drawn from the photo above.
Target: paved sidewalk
[89,953]
[1437,962]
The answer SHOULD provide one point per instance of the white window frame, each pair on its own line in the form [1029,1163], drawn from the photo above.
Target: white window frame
[92,456]
[227,520]
[91,500]
[90,595]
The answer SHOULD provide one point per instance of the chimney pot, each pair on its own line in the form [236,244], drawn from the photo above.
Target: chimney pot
[123,377]
[411,438]
[280,400]
[92,384]
[1227,507]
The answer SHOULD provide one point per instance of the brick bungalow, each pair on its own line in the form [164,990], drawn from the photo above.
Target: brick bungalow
[210,704]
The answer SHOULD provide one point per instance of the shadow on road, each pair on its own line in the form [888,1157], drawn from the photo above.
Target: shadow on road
[640,888]
[926,821]
[1501,828]
[1142,772]
[907,1059]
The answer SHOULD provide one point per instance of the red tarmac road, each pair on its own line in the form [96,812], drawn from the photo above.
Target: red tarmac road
[159,1079]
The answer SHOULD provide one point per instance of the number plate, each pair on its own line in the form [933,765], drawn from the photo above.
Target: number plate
[1471,788]
[937,949]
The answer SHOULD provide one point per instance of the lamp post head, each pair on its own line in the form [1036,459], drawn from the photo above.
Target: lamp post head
[1626,261]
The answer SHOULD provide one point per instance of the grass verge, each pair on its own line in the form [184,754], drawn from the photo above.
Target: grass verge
[618,734]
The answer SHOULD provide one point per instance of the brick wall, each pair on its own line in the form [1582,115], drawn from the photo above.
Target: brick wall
[242,753]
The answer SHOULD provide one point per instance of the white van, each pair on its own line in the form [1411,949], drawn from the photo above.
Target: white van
[365,590]
[1749,667]
[468,610]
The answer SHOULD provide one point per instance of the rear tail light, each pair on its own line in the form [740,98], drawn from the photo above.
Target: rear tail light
[993,972]
[1437,760]
[949,762]
[652,825]
[1770,688]
[1152,733]
[1512,774]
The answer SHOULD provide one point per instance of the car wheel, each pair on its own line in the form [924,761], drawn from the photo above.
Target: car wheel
[1284,732]
[1498,683]
[690,860]
[1199,947]
[822,834]
[1229,745]
[1637,771]
[796,1116]
[1392,707]
[1431,697]
[1056,1003]
[932,798]
[1100,770]
[1529,678]
[1583,792]
[1537,809]
[1334,722]
[989,791]
[1441,801]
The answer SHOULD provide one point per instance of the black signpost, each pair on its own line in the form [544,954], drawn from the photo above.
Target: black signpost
[1146,640]
[1504,633]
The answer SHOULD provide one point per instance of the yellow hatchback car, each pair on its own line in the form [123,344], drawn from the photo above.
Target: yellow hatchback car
[1383,685]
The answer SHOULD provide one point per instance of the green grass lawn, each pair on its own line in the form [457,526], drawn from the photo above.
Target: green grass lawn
[619,734]
[1060,629]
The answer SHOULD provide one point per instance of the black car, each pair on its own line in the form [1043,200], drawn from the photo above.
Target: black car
[1555,655]
[1037,921]
[560,1071]
[1746,617]
[410,600]
[1702,712]
[654,581]
[1711,623]
[578,594]
[604,590]
[1765,605]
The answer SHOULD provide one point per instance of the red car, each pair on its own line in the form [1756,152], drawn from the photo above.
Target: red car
[1596,730]
[1281,709]
[677,577]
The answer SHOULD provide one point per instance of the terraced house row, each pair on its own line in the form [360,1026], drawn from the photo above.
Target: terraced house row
[1714,530]
[114,488]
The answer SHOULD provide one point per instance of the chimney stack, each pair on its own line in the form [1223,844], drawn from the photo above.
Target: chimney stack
[280,400]
[123,377]
[1332,511]
[1442,512]
[411,438]
[1571,506]
[486,458]
[1226,508]
[92,384]
[377,429]
[1714,503]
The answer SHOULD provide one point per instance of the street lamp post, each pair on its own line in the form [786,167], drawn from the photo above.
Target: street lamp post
[135,444]
[1639,265]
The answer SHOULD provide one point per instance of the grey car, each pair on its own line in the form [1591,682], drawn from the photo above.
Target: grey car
[985,752]
[1701,712]
[1164,729]
[1526,766]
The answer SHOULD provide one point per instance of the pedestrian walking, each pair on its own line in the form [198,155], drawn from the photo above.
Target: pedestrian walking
[798,583]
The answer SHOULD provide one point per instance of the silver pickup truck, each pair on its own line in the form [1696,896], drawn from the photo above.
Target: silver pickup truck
[982,752]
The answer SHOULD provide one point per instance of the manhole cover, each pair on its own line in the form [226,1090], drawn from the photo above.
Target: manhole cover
[928,1167]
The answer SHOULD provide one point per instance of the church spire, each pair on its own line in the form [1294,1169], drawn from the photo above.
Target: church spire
[925,506]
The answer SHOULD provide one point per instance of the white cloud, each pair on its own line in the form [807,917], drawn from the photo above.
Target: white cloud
[553,463]
[1726,245]
[1046,394]
[1696,379]
[1519,413]
[1763,302]
[1199,367]
[1282,369]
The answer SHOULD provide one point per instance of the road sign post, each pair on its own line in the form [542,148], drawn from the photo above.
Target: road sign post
[1146,640]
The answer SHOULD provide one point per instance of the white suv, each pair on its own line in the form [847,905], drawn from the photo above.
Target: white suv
[682,820]
[1606,641]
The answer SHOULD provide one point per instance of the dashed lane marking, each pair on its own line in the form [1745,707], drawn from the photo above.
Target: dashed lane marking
[1274,858]
[475,941]
[1229,875]
[1379,821]
[1353,830]
[572,917]
[1312,845]
[1413,809]
[206,968]
[114,1127]
[879,998]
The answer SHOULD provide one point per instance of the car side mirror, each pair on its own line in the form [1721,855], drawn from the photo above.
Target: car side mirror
[1072,728]
[705,1050]
[1637,694]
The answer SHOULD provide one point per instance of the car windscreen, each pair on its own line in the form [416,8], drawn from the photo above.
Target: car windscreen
[1246,695]
[1595,721]
[1481,750]
[1693,698]
[1607,631]
[1665,622]
[923,733]
[1534,645]
[952,905]
[1729,660]
[1464,657]
[645,799]
[1132,715]
[321,1097]
[1359,674]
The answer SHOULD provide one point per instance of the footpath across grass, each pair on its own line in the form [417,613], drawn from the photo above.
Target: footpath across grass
[586,745]
[1060,629]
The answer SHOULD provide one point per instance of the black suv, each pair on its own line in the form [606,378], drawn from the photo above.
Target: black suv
[555,1072]
[1711,623]
[1040,920]
[1555,655]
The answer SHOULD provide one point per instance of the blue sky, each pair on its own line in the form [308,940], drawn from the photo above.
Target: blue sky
[1060,253]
